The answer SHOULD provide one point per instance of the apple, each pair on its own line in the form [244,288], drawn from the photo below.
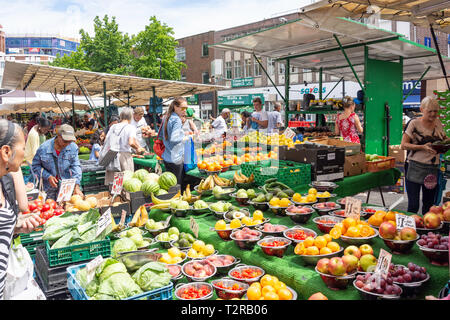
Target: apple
[336,266]
[350,262]
[408,234]
[365,249]
[446,214]
[418,220]
[367,261]
[387,230]
[352,250]
[318,296]
[431,220]
[322,265]
[446,205]
[436,209]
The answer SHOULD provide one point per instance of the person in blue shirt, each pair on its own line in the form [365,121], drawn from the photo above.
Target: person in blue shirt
[97,141]
[174,138]
[57,159]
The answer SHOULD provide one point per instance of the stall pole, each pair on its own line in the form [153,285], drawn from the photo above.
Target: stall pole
[268,77]
[105,110]
[438,51]
[320,83]
[348,61]
[73,111]
[341,79]
[286,90]
[417,82]
[154,106]
[84,93]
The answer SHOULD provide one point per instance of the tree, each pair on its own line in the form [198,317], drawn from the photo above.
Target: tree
[156,41]
[75,61]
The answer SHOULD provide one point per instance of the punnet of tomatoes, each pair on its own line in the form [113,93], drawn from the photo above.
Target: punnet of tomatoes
[46,209]
[194,293]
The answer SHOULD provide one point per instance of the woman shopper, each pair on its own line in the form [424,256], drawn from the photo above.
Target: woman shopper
[422,159]
[126,133]
[246,121]
[97,141]
[347,123]
[36,137]
[174,138]
[12,189]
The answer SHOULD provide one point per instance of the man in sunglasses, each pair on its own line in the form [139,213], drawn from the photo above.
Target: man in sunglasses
[57,159]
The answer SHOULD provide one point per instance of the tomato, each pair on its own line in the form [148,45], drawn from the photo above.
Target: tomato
[59,211]
[45,207]
[38,203]
[54,205]
[32,206]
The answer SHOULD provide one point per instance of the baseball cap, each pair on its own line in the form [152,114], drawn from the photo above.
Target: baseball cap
[189,112]
[67,133]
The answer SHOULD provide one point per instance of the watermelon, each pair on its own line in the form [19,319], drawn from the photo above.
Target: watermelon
[149,187]
[152,177]
[132,185]
[141,174]
[167,180]
[127,174]
[161,192]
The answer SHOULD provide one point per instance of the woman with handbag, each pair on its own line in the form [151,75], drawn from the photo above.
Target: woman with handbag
[12,193]
[422,159]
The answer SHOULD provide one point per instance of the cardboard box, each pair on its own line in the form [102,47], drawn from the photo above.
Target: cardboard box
[399,186]
[355,165]
[397,153]
[350,147]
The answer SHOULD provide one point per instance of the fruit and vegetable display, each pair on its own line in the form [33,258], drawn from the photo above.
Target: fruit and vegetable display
[148,183]
[211,182]
[221,260]
[153,225]
[277,189]
[269,288]
[366,261]
[319,245]
[199,269]
[384,286]
[352,228]
[135,234]
[239,177]
[221,206]
[433,241]
[46,210]
[268,227]
[77,203]
[200,250]
[193,293]
[408,274]
[246,273]
[172,256]
[246,234]
[389,231]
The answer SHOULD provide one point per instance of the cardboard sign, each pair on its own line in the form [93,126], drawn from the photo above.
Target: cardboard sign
[403,221]
[352,208]
[289,133]
[118,183]
[384,260]
[166,223]
[122,217]
[91,266]
[194,227]
[104,221]
[66,190]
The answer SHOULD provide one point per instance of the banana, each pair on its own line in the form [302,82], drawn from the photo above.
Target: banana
[134,221]
[238,178]
[155,200]
[160,206]
[211,184]
[218,181]
[144,216]
[188,191]
[200,185]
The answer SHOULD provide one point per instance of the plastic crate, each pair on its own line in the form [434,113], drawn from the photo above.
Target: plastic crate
[54,294]
[77,253]
[31,241]
[385,163]
[78,293]
[92,178]
[288,172]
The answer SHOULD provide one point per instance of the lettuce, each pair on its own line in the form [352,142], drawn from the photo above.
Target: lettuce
[152,275]
[123,245]
[118,285]
[111,269]
[66,240]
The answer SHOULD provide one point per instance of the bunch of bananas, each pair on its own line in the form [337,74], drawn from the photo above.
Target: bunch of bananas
[240,178]
[140,217]
[187,196]
[222,182]
[163,204]
[212,181]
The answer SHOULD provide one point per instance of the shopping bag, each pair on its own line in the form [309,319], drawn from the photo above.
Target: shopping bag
[158,145]
[109,154]
[190,156]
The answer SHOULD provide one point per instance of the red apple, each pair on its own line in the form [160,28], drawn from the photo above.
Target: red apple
[436,209]
[387,230]
[431,220]
[365,249]
[336,266]
[350,262]
[408,234]
[446,205]
[318,296]
[418,220]
[322,265]
[446,214]
[352,250]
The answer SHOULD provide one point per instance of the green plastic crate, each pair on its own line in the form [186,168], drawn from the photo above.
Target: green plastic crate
[288,172]
[31,241]
[93,178]
[79,252]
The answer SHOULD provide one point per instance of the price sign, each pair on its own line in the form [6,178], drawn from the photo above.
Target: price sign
[122,217]
[66,190]
[384,260]
[166,223]
[289,133]
[158,169]
[91,266]
[352,208]
[104,221]
[403,221]
[194,227]
[118,183]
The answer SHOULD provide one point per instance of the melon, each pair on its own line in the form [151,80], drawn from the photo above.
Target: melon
[141,174]
[152,177]
[149,187]
[132,185]
[83,205]
[127,175]
[167,180]
[92,201]
[75,198]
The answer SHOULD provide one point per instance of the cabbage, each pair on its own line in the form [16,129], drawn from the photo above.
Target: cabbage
[123,245]
[111,269]
[152,275]
[133,231]
[137,239]
[101,296]
[119,286]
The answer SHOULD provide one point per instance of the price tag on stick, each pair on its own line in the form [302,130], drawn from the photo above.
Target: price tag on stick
[66,190]
[91,266]
[352,208]
[194,226]
[403,221]
[384,260]
[118,183]
[104,221]
[289,133]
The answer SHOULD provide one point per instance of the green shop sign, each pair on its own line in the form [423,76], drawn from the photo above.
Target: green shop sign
[192,99]
[238,99]
[242,82]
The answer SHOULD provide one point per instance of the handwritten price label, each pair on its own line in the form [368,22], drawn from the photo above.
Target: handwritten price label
[91,266]
[104,221]
[289,133]
[384,260]
[194,226]
[66,190]
[403,221]
[118,183]
[352,208]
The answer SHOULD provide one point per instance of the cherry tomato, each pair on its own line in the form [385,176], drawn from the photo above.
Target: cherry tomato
[38,203]
[59,211]
[46,207]
[32,206]
[54,205]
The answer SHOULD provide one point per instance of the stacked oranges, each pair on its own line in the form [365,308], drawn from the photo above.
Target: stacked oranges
[277,202]
[269,288]
[381,216]
[351,227]
[317,246]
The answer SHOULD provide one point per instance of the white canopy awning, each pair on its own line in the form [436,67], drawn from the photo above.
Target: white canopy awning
[41,106]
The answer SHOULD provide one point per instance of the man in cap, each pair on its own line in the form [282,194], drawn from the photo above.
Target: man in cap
[220,125]
[57,159]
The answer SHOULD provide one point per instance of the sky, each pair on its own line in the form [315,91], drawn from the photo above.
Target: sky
[186,17]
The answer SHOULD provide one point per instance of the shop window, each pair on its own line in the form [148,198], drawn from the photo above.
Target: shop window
[247,67]
[228,70]
[205,77]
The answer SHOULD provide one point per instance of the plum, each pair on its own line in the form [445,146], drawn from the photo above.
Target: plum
[189,269]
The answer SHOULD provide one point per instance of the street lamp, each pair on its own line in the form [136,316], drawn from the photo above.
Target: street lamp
[160,75]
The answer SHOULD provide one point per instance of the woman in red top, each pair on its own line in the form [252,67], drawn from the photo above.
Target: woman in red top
[347,123]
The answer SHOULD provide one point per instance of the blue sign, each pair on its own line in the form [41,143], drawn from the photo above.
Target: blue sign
[408,85]
[427,42]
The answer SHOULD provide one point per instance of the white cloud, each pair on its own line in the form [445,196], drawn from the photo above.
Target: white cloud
[67,17]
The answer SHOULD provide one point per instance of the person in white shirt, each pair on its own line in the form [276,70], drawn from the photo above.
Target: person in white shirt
[259,116]
[220,125]
[140,124]
[274,118]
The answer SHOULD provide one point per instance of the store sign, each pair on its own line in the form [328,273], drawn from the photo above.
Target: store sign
[314,89]
[242,82]
[34,50]
[239,99]
[192,99]
[13,50]
[408,85]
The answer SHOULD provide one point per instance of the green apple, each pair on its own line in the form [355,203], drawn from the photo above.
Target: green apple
[367,261]
[173,230]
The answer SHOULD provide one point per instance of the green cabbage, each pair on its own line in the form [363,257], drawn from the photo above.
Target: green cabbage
[111,269]
[152,275]
[100,296]
[133,231]
[119,285]
[122,245]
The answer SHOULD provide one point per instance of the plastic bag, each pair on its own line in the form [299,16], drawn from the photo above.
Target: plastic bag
[190,156]
[19,276]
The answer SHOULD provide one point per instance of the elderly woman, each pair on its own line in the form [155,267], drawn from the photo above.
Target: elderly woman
[126,134]
[12,193]
[422,160]
[143,131]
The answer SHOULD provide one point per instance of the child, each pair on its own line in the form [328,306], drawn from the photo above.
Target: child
[97,141]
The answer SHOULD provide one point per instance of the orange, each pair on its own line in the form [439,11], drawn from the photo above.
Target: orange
[280,285]
[308,242]
[299,248]
[352,232]
[312,251]
[375,220]
[271,296]
[334,246]
[349,222]
[327,237]
[325,250]
[267,289]
[253,293]
[210,167]
[267,280]
[320,242]
[335,233]
[284,294]
[365,231]
[339,226]
[390,215]
[257,285]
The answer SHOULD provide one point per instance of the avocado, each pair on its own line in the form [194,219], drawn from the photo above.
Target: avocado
[260,198]
[282,195]
[269,196]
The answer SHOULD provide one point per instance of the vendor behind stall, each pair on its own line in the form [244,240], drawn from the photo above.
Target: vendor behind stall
[57,159]
[274,118]
[259,116]
[141,126]
[36,137]
[220,125]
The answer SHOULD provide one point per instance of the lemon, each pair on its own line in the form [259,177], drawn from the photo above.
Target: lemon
[258,215]
[297,197]
[255,222]
[285,202]
[198,245]
[312,191]
[174,252]
[177,260]
[221,225]
[235,223]
[165,257]
[311,198]
[208,250]
[274,202]
[192,253]
[246,220]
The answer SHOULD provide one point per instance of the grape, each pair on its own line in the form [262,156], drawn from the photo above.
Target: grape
[400,279]
[422,242]
[379,290]
[407,277]
[411,266]
[382,283]
[397,290]
[423,276]
[441,247]
[390,280]
[416,275]
[360,278]
[424,270]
